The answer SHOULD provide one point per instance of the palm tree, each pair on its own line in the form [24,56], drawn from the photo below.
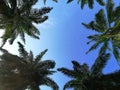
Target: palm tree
[89,2]
[84,78]
[107,25]
[17,18]
[83,2]
[24,71]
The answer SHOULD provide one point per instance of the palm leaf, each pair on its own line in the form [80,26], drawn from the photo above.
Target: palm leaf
[74,84]
[101,2]
[116,13]
[22,52]
[116,52]
[76,66]
[39,57]
[101,20]
[83,2]
[49,82]
[110,8]
[100,62]
[69,1]
[90,3]
[47,64]
[69,73]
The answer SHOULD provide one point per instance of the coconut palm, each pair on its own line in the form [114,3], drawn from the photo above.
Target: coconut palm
[89,2]
[24,71]
[83,2]
[83,78]
[17,18]
[106,25]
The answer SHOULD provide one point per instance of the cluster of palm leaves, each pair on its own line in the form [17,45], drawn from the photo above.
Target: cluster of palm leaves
[89,2]
[107,26]
[27,72]
[84,78]
[17,18]
[82,2]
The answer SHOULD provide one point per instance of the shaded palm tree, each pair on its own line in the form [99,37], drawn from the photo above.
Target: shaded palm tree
[89,2]
[83,2]
[17,18]
[84,78]
[107,27]
[24,71]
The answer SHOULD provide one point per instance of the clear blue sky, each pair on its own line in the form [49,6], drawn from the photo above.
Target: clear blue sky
[65,38]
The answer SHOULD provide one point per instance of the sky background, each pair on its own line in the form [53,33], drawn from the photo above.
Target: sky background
[65,38]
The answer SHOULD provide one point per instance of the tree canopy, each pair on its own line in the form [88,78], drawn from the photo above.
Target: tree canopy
[24,71]
[17,18]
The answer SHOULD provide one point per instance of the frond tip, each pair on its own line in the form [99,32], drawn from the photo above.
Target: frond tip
[39,57]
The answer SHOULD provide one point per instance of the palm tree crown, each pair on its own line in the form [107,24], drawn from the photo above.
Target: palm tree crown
[83,77]
[24,71]
[89,2]
[107,25]
[17,18]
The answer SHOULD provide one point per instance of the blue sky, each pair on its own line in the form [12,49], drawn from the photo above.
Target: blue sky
[65,38]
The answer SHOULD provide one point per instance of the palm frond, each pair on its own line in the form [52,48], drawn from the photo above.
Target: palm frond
[116,53]
[101,2]
[69,73]
[94,46]
[31,56]
[22,52]
[69,1]
[52,0]
[76,66]
[90,3]
[74,84]
[47,64]
[49,82]
[83,2]
[101,20]
[110,12]
[39,57]
[116,13]
[100,62]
